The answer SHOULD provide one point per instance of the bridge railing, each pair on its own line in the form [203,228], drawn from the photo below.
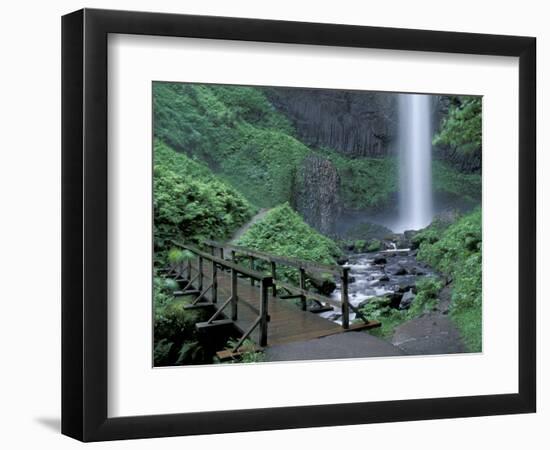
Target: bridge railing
[198,274]
[303,267]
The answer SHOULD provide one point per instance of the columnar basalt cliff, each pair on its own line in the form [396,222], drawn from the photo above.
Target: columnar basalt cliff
[358,124]
[353,123]
[316,194]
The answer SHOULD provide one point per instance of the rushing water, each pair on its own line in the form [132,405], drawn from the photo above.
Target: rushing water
[415,161]
[400,270]
[374,280]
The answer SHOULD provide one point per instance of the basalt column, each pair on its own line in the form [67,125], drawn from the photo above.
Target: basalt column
[316,193]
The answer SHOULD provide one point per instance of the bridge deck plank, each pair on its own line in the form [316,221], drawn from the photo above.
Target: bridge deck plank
[288,323]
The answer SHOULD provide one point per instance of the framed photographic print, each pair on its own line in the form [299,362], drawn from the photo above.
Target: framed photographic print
[273,224]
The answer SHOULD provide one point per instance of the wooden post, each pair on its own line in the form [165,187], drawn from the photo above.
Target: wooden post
[188,270]
[274,276]
[184,269]
[214,282]
[263,313]
[234,298]
[303,286]
[233,257]
[345,299]
[201,274]
[251,258]
[221,252]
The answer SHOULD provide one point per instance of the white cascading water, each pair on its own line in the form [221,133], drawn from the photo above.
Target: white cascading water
[415,161]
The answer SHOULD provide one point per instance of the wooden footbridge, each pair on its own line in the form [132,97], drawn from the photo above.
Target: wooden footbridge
[255,302]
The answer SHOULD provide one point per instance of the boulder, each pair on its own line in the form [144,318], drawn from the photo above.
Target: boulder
[342,260]
[402,242]
[404,287]
[395,299]
[416,271]
[379,260]
[396,269]
[407,299]
[323,285]
[409,234]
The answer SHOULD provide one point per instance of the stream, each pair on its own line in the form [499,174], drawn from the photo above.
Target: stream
[389,272]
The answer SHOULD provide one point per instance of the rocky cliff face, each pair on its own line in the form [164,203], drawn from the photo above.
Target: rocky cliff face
[316,194]
[358,123]
[353,123]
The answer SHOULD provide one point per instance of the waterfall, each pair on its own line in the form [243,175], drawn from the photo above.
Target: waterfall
[415,161]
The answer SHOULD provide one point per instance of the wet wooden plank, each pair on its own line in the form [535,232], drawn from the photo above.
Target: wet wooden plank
[288,323]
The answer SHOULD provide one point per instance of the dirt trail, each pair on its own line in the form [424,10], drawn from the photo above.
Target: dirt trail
[259,216]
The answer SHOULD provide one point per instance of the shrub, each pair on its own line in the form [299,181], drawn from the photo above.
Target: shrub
[459,241]
[190,204]
[236,131]
[283,232]
[374,245]
[379,308]
[461,129]
[425,300]
[457,253]
[175,338]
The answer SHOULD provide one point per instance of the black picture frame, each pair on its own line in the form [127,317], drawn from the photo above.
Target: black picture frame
[84,224]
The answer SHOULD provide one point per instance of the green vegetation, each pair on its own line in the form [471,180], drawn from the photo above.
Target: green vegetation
[460,241]
[448,180]
[427,290]
[461,128]
[456,252]
[222,152]
[373,182]
[374,246]
[248,352]
[190,204]
[245,141]
[366,182]
[430,234]
[236,131]
[360,245]
[175,338]
[283,232]
[379,308]
[364,237]
[367,230]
